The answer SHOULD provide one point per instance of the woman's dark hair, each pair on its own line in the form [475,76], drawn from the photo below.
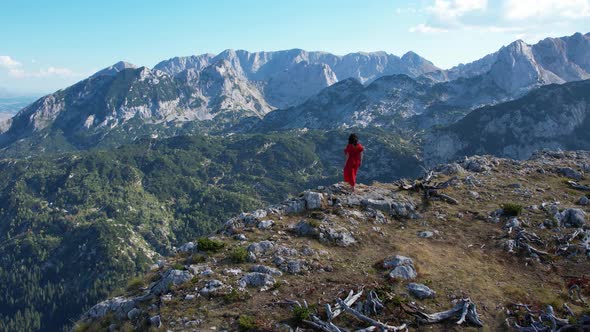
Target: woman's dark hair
[353,139]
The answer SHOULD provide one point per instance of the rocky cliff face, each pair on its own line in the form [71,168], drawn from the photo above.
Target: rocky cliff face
[553,117]
[289,77]
[390,101]
[520,67]
[386,253]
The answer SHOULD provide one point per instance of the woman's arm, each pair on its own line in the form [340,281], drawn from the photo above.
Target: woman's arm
[361,159]
[346,158]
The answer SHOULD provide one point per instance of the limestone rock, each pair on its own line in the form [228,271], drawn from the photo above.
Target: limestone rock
[402,267]
[304,228]
[426,234]
[187,247]
[265,224]
[313,200]
[266,269]
[295,206]
[120,306]
[570,173]
[261,247]
[339,236]
[449,169]
[211,287]
[572,218]
[294,266]
[476,164]
[133,314]
[156,321]
[257,279]
[170,277]
[420,291]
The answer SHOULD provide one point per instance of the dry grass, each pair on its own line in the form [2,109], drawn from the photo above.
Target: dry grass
[464,260]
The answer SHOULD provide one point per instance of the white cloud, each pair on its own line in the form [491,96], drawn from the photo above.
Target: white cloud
[51,71]
[543,9]
[524,18]
[450,10]
[8,62]
[424,28]
[16,69]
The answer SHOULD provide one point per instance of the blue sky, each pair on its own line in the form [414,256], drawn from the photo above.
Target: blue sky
[48,45]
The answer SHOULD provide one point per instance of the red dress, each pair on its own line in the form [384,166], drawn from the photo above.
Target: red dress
[353,163]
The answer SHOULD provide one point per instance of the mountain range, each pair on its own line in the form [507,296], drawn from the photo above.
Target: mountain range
[297,89]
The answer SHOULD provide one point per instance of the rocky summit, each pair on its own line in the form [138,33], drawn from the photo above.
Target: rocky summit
[457,248]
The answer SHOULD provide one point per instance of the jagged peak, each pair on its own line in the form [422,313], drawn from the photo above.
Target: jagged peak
[114,69]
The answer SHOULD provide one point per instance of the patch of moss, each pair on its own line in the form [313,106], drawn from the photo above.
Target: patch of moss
[314,223]
[178,266]
[195,259]
[247,323]
[81,327]
[301,313]
[238,255]
[208,245]
[511,209]
[134,284]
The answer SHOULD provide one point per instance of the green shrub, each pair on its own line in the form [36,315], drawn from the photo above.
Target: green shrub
[397,300]
[195,259]
[239,255]
[301,313]
[178,266]
[232,296]
[314,223]
[247,323]
[277,285]
[134,284]
[511,209]
[81,327]
[208,245]
[588,195]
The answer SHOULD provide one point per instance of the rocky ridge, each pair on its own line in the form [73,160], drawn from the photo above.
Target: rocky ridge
[517,237]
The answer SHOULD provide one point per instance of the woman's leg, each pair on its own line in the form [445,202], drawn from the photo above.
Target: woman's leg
[353,176]
[348,175]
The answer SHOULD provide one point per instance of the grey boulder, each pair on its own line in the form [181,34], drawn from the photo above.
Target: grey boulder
[261,247]
[401,267]
[120,306]
[572,218]
[420,291]
[187,247]
[570,173]
[265,224]
[170,277]
[313,200]
[211,287]
[257,279]
[266,269]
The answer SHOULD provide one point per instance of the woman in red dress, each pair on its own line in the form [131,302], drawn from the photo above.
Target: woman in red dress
[354,159]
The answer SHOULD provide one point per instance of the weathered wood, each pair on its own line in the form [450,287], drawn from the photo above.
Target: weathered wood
[575,290]
[465,310]
[372,305]
[371,321]
[578,186]
[349,300]
[433,193]
[323,326]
